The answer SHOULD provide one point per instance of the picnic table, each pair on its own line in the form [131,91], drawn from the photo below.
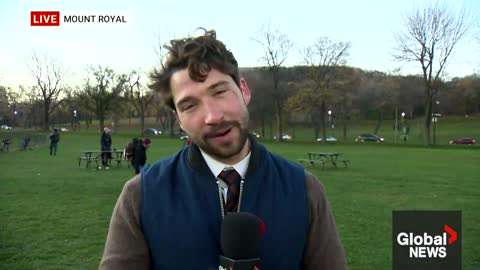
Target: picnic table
[315,158]
[90,156]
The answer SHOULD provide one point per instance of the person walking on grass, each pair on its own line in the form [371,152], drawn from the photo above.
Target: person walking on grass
[54,139]
[140,156]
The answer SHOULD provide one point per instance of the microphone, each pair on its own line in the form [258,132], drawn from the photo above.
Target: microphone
[241,238]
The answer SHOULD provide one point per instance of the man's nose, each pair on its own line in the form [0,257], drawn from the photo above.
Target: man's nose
[214,114]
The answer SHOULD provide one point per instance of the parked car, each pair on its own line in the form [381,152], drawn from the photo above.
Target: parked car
[284,137]
[329,139]
[63,129]
[152,131]
[5,127]
[369,138]
[466,140]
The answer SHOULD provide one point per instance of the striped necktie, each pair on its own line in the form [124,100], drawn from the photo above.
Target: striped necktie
[232,179]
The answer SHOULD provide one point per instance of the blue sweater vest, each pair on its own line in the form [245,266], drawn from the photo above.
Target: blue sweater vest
[181,215]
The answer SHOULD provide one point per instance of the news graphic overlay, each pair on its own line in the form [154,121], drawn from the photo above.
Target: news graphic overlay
[241,238]
[427,240]
[66,18]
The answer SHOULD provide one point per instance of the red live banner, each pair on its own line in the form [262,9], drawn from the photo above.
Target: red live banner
[45,18]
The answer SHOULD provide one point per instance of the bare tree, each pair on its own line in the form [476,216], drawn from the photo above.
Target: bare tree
[139,96]
[104,94]
[275,51]
[429,37]
[49,75]
[323,59]
[163,114]
[261,107]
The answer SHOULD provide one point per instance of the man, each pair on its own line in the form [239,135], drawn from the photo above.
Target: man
[106,147]
[140,154]
[170,216]
[54,139]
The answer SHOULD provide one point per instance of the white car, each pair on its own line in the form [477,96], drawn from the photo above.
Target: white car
[5,127]
[285,137]
[329,139]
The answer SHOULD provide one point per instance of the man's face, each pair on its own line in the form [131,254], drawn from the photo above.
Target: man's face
[213,113]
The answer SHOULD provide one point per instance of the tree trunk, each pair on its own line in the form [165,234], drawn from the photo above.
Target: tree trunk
[142,122]
[278,131]
[428,121]
[171,122]
[315,120]
[323,109]
[344,120]
[263,125]
[46,108]
[102,123]
[278,120]
[379,122]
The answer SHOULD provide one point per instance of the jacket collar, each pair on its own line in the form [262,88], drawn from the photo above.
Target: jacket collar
[197,162]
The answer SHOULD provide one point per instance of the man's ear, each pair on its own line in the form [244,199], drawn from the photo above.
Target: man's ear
[245,91]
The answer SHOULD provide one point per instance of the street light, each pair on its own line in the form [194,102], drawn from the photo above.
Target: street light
[74,119]
[330,118]
[435,119]
[15,117]
[404,128]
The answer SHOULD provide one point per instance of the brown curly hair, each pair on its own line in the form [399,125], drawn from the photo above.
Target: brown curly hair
[199,54]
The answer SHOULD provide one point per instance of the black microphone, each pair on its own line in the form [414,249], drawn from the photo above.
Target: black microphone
[241,239]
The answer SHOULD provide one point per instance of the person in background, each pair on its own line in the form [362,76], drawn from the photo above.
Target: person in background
[54,139]
[26,141]
[106,147]
[170,215]
[140,156]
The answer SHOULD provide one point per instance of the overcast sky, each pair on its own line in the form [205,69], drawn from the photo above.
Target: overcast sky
[367,24]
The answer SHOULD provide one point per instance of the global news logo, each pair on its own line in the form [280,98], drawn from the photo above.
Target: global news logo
[428,246]
[426,240]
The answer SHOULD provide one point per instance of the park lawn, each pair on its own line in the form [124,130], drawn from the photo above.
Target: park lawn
[55,215]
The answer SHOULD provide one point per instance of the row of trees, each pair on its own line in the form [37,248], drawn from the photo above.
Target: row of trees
[353,94]
[105,95]
[322,82]
[428,38]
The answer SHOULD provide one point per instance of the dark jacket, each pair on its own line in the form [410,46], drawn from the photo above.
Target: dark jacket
[140,155]
[105,141]
[54,137]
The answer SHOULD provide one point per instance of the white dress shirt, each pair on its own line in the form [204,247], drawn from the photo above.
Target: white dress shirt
[216,167]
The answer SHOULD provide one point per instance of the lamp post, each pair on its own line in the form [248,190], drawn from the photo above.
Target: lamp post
[435,119]
[75,119]
[15,117]
[329,120]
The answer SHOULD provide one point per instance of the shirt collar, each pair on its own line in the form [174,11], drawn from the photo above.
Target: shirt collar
[216,167]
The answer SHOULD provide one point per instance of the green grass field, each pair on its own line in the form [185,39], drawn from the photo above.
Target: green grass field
[55,215]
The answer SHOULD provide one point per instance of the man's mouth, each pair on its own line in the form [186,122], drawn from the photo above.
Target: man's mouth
[219,133]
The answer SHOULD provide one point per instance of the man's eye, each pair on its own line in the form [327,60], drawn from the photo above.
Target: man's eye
[188,107]
[220,92]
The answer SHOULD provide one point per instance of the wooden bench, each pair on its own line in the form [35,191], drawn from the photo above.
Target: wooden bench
[344,161]
[312,162]
[92,160]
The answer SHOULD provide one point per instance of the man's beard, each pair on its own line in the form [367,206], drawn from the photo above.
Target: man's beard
[229,149]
